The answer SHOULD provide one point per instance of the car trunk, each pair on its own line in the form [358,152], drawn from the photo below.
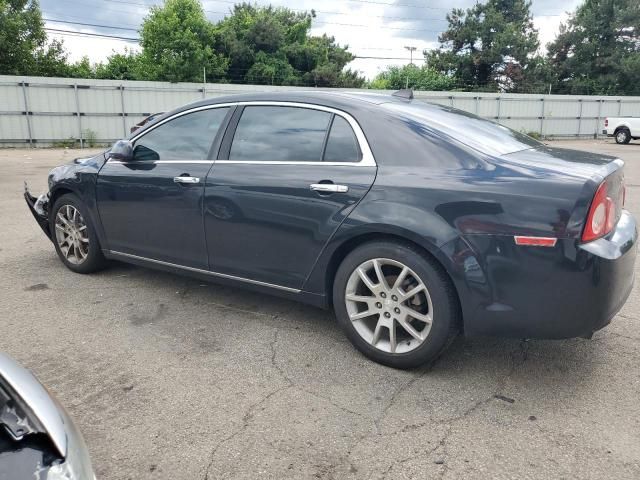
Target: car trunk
[576,175]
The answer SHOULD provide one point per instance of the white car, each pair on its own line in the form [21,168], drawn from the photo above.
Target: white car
[623,129]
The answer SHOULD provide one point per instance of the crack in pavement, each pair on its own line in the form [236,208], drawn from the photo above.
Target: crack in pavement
[248,415]
[246,421]
[523,349]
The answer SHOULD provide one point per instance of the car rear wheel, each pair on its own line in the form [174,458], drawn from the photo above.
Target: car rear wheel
[74,236]
[396,304]
[623,136]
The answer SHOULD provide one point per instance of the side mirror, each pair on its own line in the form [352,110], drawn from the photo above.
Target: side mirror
[121,151]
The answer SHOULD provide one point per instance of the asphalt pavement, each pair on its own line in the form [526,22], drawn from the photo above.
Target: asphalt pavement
[169,377]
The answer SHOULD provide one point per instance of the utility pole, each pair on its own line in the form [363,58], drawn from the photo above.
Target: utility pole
[411,49]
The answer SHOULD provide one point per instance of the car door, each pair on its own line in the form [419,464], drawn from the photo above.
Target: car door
[286,177]
[151,206]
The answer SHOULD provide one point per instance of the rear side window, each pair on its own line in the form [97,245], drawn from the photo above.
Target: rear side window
[267,133]
[188,137]
[342,145]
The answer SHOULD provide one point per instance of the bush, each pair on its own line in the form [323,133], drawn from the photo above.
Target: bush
[66,143]
[90,137]
[533,134]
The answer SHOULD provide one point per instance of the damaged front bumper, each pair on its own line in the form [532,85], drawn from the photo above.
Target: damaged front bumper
[39,207]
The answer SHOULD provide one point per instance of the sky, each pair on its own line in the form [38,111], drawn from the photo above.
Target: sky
[371,28]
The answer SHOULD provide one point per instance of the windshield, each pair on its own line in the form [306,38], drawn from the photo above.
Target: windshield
[480,134]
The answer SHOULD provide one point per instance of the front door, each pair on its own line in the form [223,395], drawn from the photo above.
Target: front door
[151,206]
[287,177]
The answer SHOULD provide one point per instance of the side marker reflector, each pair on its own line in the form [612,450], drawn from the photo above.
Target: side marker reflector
[536,241]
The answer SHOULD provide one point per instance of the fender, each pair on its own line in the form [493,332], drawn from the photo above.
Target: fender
[80,178]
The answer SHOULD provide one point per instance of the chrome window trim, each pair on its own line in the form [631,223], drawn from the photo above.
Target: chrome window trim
[205,272]
[367,159]
[162,161]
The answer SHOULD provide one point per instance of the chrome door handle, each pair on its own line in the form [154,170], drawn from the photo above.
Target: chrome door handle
[186,180]
[329,188]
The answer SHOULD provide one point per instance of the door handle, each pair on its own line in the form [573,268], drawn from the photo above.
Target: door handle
[186,180]
[329,188]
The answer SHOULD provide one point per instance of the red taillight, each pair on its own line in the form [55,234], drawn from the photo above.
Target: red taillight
[606,122]
[602,214]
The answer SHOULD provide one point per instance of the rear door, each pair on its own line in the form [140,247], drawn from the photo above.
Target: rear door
[287,176]
[151,207]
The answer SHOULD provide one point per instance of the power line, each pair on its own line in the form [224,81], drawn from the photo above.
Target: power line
[380,26]
[89,24]
[362,1]
[358,57]
[117,37]
[307,11]
[137,30]
[87,34]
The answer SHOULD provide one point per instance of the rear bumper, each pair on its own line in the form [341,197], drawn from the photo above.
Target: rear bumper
[38,208]
[570,290]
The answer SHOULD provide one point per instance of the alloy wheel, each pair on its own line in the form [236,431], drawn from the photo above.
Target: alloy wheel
[389,305]
[71,234]
[621,137]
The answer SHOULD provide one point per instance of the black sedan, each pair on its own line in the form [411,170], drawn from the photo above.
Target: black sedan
[412,221]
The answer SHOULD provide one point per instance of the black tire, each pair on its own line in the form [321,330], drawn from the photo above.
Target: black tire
[622,136]
[94,259]
[446,318]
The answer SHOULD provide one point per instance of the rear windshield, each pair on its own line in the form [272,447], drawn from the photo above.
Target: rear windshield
[480,134]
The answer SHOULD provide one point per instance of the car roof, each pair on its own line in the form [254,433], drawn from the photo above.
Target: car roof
[338,99]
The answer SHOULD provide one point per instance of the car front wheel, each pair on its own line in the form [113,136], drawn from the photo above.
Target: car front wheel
[395,303]
[74,237]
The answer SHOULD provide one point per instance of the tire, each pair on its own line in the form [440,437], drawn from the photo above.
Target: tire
[88,258]
[622,136]
[386,309]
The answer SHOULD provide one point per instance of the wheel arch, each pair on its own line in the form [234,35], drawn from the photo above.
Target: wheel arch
[622,127]
[61,189]
[340,250]
[58,191]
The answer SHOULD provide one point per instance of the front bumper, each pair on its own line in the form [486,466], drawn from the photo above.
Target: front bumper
[570,290]
[39,209]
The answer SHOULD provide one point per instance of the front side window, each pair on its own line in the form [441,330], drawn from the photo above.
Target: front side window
[188,137]
[342,145]
[272,133]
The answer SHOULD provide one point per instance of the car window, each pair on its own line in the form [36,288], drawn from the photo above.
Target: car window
[188,137]
[480,134]
[267,133]
[342,145]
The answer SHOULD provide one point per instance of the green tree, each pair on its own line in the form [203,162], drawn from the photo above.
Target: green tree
[598,50]
[23,41]
[128,65]
[411,76]
[178,42]
[81,69]
[489,45]
[272,45]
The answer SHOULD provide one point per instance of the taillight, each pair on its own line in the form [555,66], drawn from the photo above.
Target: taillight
[606,122]
[603,212]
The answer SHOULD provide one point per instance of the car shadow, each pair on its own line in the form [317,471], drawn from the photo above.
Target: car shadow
[564,361]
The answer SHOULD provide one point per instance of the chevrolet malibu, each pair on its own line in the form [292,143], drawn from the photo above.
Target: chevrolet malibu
[412,221]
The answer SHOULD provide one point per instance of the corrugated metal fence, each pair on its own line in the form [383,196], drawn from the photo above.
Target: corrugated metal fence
[39,111]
